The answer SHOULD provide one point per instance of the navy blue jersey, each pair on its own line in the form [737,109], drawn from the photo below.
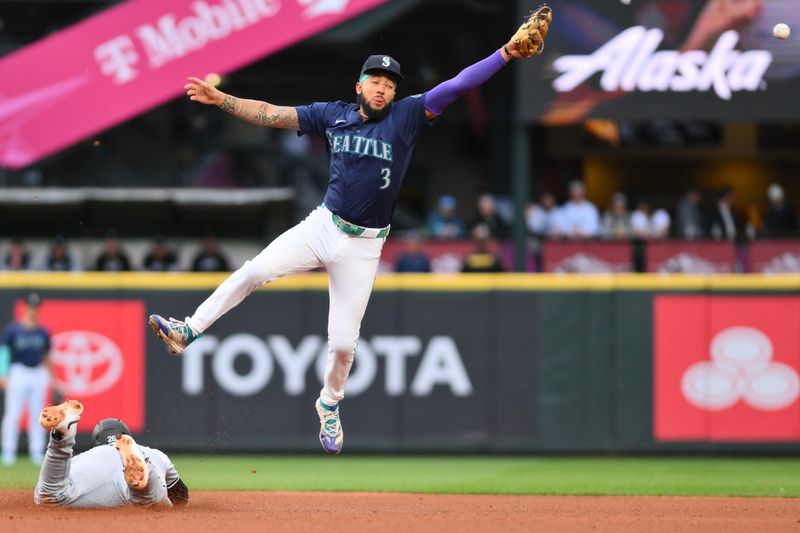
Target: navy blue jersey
[368,159]
[27,346]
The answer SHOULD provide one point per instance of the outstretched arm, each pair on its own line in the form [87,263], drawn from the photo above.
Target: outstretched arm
[528,40]
[440,97]
[252,111]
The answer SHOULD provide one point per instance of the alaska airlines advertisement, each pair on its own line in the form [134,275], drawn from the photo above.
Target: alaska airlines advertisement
[680,59]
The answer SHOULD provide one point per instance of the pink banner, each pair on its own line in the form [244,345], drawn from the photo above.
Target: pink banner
[137,55]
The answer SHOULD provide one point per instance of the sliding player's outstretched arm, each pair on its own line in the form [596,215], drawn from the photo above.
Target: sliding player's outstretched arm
[252,111]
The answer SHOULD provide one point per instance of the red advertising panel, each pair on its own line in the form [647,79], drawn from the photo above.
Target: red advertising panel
[587,257]
[708,257]
[98,355]
[726,368]
[775,257]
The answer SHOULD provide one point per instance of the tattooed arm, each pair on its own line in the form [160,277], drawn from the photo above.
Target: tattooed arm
[252,111]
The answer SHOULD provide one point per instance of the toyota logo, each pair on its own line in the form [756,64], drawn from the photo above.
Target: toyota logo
[90,363]
[741,368]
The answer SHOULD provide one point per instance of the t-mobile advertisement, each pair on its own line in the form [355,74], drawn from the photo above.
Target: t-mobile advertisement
[135,56]
[680,59]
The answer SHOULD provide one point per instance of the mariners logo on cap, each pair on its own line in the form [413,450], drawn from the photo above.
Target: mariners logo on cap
[384,63]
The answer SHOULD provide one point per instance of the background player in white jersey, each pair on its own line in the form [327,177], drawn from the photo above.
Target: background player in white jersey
[370,144]
[115,471]
[25,373]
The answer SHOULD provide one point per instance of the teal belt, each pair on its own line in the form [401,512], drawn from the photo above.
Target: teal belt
[359,231]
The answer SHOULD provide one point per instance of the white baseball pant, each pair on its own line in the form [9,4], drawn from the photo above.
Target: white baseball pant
[352,264]
[25,385]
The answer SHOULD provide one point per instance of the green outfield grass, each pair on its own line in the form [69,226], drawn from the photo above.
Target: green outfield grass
[700,476]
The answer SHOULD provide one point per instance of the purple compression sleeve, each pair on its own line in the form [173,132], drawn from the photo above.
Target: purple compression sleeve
[447,92]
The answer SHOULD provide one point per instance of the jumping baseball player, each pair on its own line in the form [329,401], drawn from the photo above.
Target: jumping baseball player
[25,373]
[115,471]
[370,145]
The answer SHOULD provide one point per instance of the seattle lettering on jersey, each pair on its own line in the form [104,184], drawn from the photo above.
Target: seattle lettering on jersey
[355,144]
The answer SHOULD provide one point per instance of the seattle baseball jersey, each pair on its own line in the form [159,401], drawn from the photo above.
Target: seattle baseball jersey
[368,159]
[27,346]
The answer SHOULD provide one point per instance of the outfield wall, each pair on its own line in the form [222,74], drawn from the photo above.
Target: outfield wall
[539,363]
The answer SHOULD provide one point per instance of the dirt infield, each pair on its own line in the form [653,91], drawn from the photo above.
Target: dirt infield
[231,512]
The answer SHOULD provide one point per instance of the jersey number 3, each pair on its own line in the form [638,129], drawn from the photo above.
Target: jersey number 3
[386,174]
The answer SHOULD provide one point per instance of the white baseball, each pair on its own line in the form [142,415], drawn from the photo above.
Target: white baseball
[781,31]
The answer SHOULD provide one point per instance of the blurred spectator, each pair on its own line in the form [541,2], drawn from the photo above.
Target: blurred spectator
[541,218]
[412,259]
[444,223]
[112,258]
[160,258]
[689,220]
[617,220]
[59,258]
[17,257]
[488,217]
[648,224]
[482,259]
[210,258]
[578,218]
[295,145]
[780,219]
[724,222]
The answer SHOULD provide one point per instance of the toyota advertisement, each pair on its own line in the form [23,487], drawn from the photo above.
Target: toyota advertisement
[678,59]
[98,355]
[250,383]
[474,370]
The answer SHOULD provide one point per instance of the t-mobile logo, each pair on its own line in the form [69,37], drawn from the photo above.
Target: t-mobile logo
[174,36]
[631,61]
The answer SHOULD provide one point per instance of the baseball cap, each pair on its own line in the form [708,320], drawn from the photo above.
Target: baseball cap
[447,202]
[382,62]
[33,299]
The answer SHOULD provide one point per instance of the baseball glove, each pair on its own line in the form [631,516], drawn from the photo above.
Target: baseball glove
[529,38]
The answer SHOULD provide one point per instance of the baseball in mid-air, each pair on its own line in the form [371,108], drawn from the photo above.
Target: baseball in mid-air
[781,31]
[213,79]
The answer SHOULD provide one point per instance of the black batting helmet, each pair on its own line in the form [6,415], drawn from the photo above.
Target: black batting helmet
[106,431]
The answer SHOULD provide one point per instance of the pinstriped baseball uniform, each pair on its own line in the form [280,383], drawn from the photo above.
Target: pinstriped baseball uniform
[94,478]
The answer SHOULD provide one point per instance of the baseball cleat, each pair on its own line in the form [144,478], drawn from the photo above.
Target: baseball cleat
[331,434]
[134,467]
[176,335]
[62,420]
